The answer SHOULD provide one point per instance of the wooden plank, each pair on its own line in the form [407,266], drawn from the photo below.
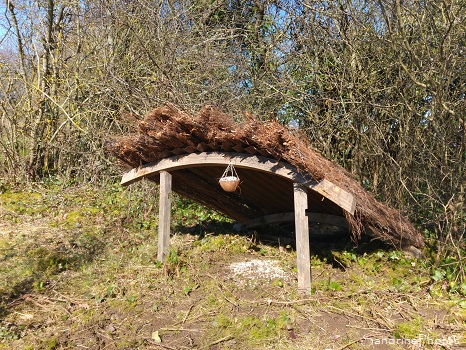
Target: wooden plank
[303,252]
[328,219]
[164,215]
[251,150]
[290,217]
[240,160]
[202,147]
[178,151]
[264,152]
[238,148]
[226,146]
[190,149]
[336,194]
[194,184]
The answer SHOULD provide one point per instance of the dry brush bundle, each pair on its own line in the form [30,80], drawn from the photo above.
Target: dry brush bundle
[167,131]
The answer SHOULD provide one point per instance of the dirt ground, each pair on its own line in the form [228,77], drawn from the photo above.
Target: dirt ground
[91,283]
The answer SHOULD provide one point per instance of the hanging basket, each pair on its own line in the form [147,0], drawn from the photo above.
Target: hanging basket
[229,183]
[229,180]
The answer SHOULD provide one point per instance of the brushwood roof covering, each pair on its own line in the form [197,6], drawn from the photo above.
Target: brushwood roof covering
[169,135]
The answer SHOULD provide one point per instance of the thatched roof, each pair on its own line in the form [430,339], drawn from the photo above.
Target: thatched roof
[168,131]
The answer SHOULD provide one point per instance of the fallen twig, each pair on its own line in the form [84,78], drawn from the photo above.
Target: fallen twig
[302,313]
[218,341]
[371,328]
[353,342]
[182,329]
[187,314]
[270,301]
[162,345]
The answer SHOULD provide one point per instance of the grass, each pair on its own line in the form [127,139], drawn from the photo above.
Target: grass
[79,269]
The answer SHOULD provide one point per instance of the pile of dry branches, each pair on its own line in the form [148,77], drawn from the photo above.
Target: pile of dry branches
[168,131]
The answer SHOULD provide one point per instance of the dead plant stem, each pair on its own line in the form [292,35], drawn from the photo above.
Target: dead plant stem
[218,341]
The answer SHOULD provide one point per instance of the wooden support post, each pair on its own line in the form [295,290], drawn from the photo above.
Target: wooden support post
[164,215]
[302,239]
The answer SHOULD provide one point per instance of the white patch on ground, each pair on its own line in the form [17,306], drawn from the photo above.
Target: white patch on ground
[254,272]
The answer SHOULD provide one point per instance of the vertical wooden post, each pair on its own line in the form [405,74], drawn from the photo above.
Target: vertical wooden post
[302,239]
[164,215]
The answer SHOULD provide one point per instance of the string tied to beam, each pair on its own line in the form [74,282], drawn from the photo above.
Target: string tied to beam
[230,179]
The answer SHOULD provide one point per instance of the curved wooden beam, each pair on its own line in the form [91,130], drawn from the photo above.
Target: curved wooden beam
[240,160]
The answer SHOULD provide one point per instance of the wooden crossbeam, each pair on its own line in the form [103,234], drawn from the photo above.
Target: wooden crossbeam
[322,218]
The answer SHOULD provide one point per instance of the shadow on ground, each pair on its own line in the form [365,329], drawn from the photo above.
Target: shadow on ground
[45,261]
[326,241]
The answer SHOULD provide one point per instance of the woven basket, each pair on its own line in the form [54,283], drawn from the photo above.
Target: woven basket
[229,183]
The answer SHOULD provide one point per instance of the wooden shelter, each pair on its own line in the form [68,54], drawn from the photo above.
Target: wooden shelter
[282,178]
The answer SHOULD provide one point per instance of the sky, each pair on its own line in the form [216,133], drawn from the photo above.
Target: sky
[3,23]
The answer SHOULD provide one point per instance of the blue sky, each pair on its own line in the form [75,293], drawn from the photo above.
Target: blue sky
[3,22]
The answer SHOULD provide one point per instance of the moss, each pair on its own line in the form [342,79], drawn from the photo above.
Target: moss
[410,329]
[85,317]
[213,301]
[357,278]
[253,328]
[27,203]
[283,320]
[51,344]
[18,198]
[128,304]
[277,282]
[260,329]
[49,261]
[212,243]
[80,216]
[222,321]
